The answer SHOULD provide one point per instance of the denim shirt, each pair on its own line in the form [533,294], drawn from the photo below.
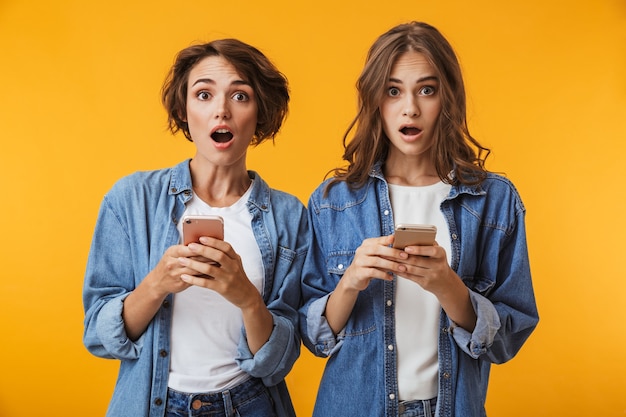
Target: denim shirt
[489,253]
[136,224]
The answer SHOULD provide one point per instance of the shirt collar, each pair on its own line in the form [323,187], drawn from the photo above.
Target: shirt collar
[377,172]
[180,183]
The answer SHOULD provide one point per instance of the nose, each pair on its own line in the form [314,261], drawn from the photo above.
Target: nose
[411,107]
[221,110]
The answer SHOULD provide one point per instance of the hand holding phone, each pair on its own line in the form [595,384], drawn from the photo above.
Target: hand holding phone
[195,226]
[414,235]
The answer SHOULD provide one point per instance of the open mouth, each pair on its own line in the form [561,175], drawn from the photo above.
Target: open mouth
[410,131]
[221,136]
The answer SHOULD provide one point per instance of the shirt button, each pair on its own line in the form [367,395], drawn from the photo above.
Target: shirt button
[446,375]
[389,303]
[340,266]
[163,353]
[392,396]
[386,212]
[455,236]
[173,189]
[158,401]
[390,347]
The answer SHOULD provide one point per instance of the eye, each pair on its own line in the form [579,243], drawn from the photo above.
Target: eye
[428,90]
[393,91]
[203,95]
[240,96]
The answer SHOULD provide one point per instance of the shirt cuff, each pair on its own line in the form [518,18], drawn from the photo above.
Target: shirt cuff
[275,358]
[477,342]
[112,333]
[319,330]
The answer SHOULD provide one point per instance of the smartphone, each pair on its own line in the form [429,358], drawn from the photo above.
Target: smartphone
[414,235]
[195,226]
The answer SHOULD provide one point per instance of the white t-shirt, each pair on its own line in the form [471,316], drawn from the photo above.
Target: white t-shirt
[417,310]
[206,328]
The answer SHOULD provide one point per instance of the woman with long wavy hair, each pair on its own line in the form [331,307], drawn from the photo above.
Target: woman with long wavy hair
[412,330]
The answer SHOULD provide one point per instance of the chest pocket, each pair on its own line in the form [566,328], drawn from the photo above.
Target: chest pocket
[362,319]
[338,262]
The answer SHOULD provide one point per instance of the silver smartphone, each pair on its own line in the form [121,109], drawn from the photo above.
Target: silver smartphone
[414,235]
[195,226]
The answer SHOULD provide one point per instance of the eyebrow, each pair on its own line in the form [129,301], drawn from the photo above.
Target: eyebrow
[211,81]
[420,80]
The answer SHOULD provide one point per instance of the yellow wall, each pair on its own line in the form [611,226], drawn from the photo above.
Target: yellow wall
[79,108]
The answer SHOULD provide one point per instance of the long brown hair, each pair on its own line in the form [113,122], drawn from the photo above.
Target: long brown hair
[454,151]
[270,85]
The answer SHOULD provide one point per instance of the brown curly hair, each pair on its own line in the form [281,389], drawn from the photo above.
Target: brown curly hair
[270,85]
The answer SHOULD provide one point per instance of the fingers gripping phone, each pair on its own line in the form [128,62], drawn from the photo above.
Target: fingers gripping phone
[414,235]
[195,226]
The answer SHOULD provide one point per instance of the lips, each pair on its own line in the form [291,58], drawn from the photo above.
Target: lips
[410,131]
[222,135]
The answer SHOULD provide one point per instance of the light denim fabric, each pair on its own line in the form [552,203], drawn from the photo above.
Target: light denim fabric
[136,224]
[489,253]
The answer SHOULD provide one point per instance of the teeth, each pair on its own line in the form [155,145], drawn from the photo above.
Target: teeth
[221,131]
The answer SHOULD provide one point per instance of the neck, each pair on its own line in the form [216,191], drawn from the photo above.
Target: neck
[410,172]
[219,186]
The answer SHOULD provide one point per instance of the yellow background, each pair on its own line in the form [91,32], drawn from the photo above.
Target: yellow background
[79,108]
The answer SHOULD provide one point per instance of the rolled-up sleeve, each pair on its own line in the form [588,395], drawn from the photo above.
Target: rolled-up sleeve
[275,358]
[506,312]
[108,281]
[318,329]
[477,342]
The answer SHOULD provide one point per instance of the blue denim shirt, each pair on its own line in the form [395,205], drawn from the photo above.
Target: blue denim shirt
[490,255]
[136,224]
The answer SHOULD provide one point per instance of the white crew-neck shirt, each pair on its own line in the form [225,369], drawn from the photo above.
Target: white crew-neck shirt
[417,310]
[206,328]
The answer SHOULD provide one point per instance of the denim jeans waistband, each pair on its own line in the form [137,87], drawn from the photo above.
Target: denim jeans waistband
[202,403]
[417,408]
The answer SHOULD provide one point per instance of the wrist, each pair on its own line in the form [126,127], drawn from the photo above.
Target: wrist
[151,288]
[253,306]
[345,288]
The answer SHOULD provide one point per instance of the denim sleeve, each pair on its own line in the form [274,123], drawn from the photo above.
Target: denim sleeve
[276,357]
[317,285]
[108,281]
[507,313]
[487,325]
[111,333]
[324,343]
